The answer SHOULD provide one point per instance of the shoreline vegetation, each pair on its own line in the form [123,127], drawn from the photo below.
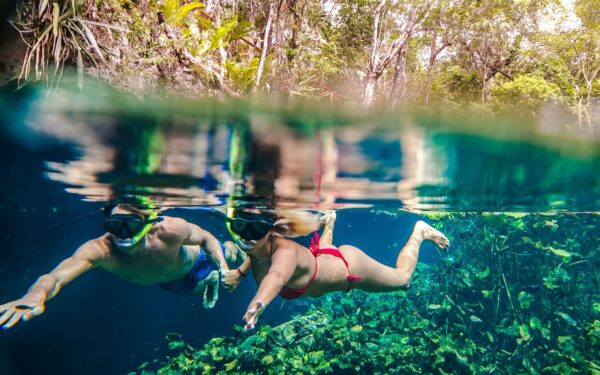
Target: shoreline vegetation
[492,56]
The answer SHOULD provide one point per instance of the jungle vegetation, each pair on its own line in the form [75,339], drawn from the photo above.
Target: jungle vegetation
[490,55]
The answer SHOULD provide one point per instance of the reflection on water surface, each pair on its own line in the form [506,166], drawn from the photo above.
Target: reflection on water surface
[209,154]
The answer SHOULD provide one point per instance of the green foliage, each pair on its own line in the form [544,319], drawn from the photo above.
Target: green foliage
[323,51]
[242,75]
[588,12]
[457,85]
[175,13]
[525,91]
[354,27]
[444,323]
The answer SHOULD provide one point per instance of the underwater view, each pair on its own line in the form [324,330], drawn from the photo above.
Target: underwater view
[516,290]
[299,187]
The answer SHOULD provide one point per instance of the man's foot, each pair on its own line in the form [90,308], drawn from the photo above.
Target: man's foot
[431,234]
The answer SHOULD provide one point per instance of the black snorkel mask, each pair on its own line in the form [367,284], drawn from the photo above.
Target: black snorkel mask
[128,229]
[127,225]
[248,226]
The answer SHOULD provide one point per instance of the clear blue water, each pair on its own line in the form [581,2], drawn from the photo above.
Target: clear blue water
[67,153]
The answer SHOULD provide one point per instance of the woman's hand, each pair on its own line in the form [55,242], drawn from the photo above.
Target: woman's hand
[254,312]
[24,309]
[231,279]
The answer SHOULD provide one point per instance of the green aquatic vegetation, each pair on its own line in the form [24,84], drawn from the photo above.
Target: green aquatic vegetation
[496,304]
[175,341]
[535,323]
[525,299]
[556,278]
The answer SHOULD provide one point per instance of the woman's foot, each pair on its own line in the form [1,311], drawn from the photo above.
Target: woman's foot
[328,219]
[431,234]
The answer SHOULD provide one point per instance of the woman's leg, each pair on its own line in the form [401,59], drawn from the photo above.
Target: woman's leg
[377,277]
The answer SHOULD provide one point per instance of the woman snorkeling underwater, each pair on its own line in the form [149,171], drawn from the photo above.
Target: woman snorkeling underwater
[282,266]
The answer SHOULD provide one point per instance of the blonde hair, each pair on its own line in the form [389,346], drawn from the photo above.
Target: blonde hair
[296,223]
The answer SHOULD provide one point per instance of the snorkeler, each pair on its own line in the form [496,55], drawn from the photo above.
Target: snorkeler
[281,266]
[144,248]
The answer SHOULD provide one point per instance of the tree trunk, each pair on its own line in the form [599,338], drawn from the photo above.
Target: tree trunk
[222,52]
[369,90]
[371,74]
[265,43]
[296,27]
[485,91]
[427,86]
[434,51]
[400,80]
[279,35]
[377,64]
[279,67]
[589,81]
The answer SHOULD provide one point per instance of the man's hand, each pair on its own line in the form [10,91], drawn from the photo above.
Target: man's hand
[22,309]
[47,286]
[211,292]
[251,316]
[209,289]
[231,279]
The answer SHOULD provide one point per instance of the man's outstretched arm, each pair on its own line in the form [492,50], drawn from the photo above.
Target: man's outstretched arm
[47,287]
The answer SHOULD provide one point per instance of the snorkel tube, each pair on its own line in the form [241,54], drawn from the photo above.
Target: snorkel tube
[229,217]
[230,213]
[244,245]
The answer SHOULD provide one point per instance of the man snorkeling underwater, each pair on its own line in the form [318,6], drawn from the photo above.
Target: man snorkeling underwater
[144,248]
